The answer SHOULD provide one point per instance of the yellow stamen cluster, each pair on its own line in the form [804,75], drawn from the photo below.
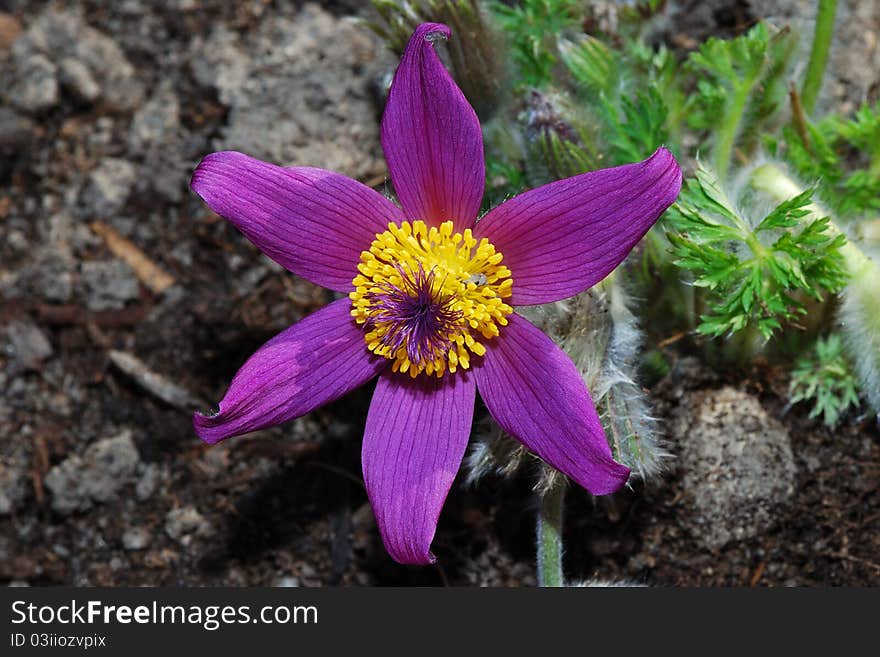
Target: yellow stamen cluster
[468,278]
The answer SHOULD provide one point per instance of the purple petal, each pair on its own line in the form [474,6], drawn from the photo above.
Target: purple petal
[562,238]
[416,434]
[432,138]
[315,361]
[311,221]
[537,395]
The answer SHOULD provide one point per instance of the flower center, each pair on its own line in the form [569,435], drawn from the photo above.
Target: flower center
[426,295]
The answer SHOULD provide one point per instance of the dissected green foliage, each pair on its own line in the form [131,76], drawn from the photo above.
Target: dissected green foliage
[633,118]
[740,86]
[532,28]
[825,378]
[752,273]
[823,152]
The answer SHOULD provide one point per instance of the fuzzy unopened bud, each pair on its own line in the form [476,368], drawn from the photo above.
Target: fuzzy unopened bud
[558,147]
[860,324]
[476,53]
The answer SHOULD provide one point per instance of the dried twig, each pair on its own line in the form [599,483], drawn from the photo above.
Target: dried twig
[155,383]
[150,274]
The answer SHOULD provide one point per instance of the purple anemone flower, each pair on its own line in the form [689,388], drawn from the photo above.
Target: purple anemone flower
[430,298]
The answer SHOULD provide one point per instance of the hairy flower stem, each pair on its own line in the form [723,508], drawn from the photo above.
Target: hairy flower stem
[728,128]
[772,180]
[550,535]
[819,54]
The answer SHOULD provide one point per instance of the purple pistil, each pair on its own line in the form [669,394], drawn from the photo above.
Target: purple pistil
[417,316]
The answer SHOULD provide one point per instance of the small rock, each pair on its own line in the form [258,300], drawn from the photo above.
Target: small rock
[136,538]
[76,77]
[18,241]
[108,188]
[307,81]
[12,482]
[52,278]
[738,466]
[185,522]
[36,85]
[109,284]
[60,34]
[156,121]
[148,482]
[78,482]
[28,343]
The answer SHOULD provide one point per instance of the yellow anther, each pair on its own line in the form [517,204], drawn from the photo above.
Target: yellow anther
[427,295]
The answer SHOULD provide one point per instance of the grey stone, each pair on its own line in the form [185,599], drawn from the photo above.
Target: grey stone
[109,284]
[28,343]
[52,278]
[13,480]
[36,85]
[108,188]
[136,538]
[157,139]
[78,482]
[60,34]
[76,77]
[156,121]
[738,467]
[307,82]
[147,483]
[184,523]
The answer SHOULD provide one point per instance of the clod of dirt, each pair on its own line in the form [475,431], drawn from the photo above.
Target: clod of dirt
[738,465]
[36,86]
[78,482]
[136,538]
[305,82]
[92,66]
[76,78]
[186,522]
[109,284]
[108,188]
[13,479]
[28,344]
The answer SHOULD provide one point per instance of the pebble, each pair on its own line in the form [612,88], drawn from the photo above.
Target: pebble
[108,188]
[739,471]
[102,71]
[148,483]
[79,482]
[304,80]
[184,523]
[109,284]
[76,77]
[36,87]
[12,489]
[28,344]
[52,278]
[136,538]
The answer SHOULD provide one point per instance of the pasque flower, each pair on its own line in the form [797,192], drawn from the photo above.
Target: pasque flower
[430,297]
